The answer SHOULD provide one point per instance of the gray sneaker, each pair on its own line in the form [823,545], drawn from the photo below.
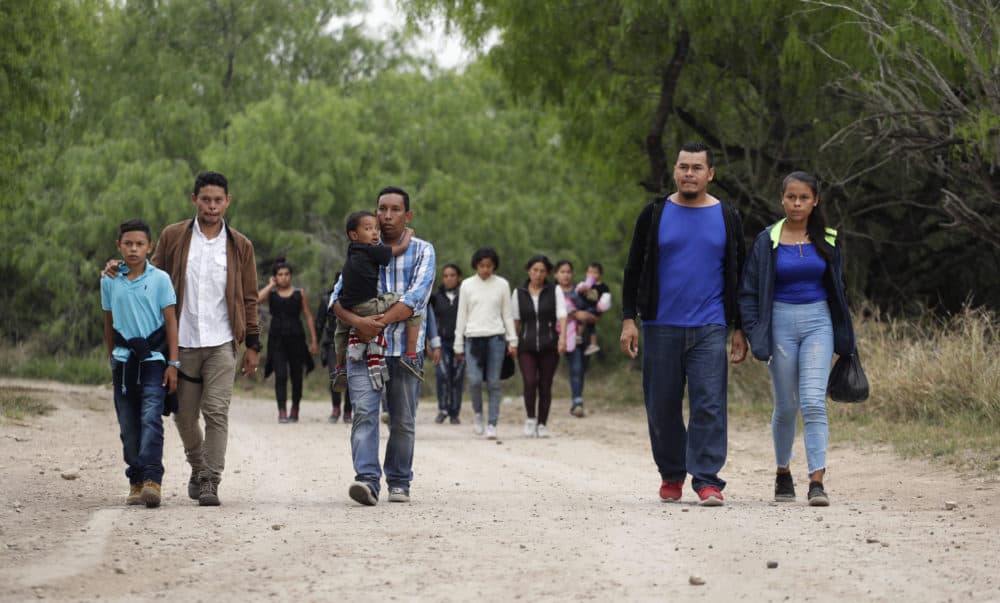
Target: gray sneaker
[363,493]
[209,494]
[399,494]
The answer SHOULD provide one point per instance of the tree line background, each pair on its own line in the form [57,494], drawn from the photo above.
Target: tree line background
[552,142]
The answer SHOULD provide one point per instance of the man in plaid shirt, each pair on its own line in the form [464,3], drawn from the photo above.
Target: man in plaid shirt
[410,274]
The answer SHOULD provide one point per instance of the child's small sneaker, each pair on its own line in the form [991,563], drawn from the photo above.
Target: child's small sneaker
[339,380]
[413,364]
[591,349]
[385,417]
[150,493]
[134,494]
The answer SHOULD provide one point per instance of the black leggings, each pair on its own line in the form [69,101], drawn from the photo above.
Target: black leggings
[286,355]
[537,371]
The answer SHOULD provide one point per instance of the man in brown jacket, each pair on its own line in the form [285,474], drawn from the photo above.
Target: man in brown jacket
[214,273]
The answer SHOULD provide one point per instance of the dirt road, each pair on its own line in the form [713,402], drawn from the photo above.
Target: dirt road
[574,517]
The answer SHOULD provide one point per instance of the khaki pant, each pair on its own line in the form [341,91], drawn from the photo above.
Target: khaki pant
[375,305]
[216,367]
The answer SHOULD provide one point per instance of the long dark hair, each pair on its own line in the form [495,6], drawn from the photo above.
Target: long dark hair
[816,224]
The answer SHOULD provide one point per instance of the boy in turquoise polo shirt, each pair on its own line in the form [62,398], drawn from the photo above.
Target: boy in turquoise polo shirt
[140,330]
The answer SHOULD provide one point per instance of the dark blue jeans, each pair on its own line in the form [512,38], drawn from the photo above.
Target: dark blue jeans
[673,356]
[141,422]
[450,379]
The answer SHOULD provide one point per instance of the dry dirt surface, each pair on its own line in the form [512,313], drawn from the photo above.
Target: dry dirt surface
[574,517]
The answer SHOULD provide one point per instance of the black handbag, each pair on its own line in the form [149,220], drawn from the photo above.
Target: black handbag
[507,370]
[848,382]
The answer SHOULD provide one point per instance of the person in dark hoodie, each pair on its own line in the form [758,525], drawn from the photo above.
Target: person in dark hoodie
[794,308]
[450,373]
[140,330]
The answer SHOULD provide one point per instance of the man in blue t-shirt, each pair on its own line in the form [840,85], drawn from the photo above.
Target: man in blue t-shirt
[140,330]
[681,280]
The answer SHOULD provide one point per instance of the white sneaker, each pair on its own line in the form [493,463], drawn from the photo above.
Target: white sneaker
[477,423]
[491,432]
[529,427]
[591,349]
[542,431]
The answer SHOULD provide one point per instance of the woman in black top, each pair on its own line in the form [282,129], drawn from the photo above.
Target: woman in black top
[450,372]
[540,321]
[287,354]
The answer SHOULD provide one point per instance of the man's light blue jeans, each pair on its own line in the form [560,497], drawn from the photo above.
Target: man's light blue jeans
[800,366]
[401,398]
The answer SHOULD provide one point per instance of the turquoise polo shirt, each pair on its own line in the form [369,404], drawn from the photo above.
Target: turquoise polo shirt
[137,306]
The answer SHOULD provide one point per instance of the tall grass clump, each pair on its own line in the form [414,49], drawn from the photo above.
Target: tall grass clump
[933,369]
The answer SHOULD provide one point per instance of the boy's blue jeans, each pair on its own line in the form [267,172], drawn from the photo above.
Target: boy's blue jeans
[141,422]
[800,366]
[673,356]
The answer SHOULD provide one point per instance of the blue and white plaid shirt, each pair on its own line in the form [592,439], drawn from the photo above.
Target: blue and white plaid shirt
[410,274]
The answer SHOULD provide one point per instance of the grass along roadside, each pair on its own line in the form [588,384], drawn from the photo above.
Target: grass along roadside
[17,403]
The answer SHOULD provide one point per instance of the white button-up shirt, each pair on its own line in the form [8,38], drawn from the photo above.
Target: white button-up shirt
[204,320]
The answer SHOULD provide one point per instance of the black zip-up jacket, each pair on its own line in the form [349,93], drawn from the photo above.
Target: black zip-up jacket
[538,331]
[446,313]
[641,287]
[757,295]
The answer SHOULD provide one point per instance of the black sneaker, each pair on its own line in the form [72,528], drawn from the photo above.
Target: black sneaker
[414,365]
[363,493]
[817,495]
[784,487]
[454,420]
[441,416]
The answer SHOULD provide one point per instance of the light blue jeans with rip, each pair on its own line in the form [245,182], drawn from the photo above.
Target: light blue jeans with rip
[799,367]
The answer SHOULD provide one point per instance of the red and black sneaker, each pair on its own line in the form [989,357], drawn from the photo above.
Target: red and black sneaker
[671,491]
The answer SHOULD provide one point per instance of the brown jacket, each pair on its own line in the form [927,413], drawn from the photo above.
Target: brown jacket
[171,255]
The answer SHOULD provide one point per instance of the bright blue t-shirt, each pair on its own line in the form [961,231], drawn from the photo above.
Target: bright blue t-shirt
[137,306]
[798,277]
[692,252]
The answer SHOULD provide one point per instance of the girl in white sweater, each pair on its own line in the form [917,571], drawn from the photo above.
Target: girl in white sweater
[484,330]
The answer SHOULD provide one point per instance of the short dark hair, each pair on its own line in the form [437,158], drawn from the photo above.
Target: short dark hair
[538,257]
[394,190]
[453,267]
[483,253]
[210,179]
[280,263]
[134,226]
[597,265]
[354,220]
[698,147]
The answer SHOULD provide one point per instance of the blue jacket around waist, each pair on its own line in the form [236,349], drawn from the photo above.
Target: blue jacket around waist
[756,295]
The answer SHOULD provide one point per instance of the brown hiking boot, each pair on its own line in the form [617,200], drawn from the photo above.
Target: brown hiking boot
[134,494]
[151,493]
